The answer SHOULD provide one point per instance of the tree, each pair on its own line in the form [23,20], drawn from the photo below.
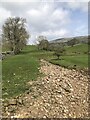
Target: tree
[73,42]
[54,46]
[51,46]
[15,34]
[40,38]
[59,51]
[42,43]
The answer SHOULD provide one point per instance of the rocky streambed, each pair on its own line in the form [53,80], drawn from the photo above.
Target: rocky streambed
[61,93]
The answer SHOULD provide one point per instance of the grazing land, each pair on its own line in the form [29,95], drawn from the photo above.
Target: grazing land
[19,69]
[74,57]
[37,84]
[45,66]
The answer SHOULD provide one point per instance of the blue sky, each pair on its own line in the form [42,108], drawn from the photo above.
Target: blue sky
[79,24]
[51,19]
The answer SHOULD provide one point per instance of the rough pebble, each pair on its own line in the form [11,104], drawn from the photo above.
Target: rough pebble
[61,93]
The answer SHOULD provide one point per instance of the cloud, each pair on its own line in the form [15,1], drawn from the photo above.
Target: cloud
[50,34]
[24,1]
[51,19]
[48,21]
[46,17]
[83,6]
[21,1]
[4,14]
[71,1]
[55,33]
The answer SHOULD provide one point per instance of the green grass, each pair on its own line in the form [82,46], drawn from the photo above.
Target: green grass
[74,57]
[19,69]
[78,49]
[79,62]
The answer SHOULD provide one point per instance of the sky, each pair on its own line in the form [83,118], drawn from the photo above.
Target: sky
[51,18]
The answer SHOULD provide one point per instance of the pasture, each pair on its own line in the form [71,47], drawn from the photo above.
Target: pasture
[19,69]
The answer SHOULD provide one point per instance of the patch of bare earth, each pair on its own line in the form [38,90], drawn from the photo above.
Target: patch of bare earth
[61,93]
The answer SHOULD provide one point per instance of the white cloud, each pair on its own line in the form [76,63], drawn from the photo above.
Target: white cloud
[78,5]
[34,12]
[60,17]
[44,1]
[47,18]
[20,1]
[55,33]
[50,34]
[4,14]
[71,0]
[48,21]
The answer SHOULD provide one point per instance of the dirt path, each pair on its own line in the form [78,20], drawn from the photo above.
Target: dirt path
[61,93]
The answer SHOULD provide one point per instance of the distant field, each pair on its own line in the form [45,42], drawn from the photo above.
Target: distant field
[74,57]
[78,49]
[19,69]
[79,62]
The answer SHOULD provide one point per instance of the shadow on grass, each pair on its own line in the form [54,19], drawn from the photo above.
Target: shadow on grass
[65,66]
[57,59]
[27,52]
[32,51]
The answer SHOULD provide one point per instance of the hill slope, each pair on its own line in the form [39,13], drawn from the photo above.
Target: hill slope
[83,39]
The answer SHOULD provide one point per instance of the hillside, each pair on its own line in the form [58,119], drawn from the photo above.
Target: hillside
[82,39]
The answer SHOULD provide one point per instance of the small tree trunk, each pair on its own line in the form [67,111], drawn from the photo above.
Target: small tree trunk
[12,49]
[58,57]
[16,50]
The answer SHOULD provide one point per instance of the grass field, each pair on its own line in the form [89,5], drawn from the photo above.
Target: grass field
[19,69]
[79,62]
[74,57]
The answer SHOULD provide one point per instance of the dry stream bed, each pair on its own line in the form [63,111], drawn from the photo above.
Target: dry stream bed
[61,93]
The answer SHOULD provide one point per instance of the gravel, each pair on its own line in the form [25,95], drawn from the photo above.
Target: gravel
[61,93]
